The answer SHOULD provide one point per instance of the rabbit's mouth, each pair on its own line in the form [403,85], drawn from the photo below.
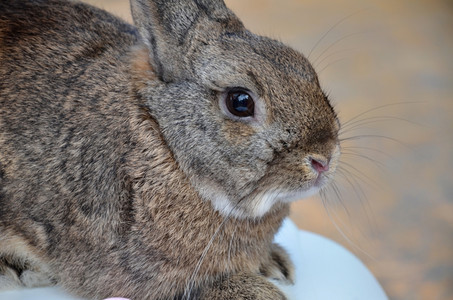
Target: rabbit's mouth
[317,173]
[261,202]
[281,185]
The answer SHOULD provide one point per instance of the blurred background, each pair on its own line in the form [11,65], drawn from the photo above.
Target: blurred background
[388,68]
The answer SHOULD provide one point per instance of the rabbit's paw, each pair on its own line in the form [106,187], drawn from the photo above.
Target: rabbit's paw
[279,266]
[9,278]
[13,276]
[241,287]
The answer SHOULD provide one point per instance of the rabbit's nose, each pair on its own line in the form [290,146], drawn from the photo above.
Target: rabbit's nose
[319,163]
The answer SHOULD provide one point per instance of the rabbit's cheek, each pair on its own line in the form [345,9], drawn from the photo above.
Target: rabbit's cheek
[223,205]
[290,196]
[293,178]
[236,132]
[261,205]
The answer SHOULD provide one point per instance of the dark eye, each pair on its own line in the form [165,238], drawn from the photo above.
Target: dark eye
[240,103]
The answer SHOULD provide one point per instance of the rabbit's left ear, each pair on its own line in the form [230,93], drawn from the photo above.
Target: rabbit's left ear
[168,26]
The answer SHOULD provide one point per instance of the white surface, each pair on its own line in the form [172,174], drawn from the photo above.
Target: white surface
[324,271]
[50,293]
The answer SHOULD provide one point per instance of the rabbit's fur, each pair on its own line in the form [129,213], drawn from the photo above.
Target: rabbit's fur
[121,174]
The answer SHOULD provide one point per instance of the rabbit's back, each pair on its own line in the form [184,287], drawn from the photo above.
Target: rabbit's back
[63,114]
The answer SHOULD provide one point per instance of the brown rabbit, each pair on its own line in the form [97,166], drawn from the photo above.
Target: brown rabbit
[155,161]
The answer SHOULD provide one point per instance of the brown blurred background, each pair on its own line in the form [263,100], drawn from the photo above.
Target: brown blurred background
[388,68]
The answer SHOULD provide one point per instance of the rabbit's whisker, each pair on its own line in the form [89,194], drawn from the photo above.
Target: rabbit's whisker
[230,246]
[362,197]
[371,149]
[331,63]
[362,136]
[378,108]
[191,281]
[332,216]
[317,64]
[337,192]
[338,23]
[363,177]
[361,122]
[365,157]
[336,42]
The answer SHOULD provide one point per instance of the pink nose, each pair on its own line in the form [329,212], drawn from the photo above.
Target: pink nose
[320,165]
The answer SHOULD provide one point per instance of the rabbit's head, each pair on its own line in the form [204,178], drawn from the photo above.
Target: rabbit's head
[244,115]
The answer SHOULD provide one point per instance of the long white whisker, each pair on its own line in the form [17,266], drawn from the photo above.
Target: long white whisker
[362,197]
[378,108]
[336,42]
[356,247]
[230,246]
[332,28]
[339,197]
[367,148]
[331,63]
[346,230]
[191,282]
[362,176]
[362,136]
[361,122]
[365,157]
[317,64]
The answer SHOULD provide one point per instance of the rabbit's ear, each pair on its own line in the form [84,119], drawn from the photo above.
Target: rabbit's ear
[166,26]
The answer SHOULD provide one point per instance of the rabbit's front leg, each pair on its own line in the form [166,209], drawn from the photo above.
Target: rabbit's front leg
[278,266]
[15,273]
[8,276]
[242,286]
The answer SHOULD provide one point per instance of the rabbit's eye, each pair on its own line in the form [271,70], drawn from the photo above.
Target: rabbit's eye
[240,104]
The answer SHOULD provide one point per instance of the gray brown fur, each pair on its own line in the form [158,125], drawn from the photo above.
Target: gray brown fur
[113,149]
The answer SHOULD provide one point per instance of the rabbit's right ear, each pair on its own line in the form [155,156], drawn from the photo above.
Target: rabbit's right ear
[168,26]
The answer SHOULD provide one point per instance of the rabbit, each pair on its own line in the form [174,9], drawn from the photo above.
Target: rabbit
[154,160]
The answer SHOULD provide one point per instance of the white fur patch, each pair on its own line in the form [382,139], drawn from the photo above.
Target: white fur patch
[219,200]
[263,203]
[256,207]
[222,204]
